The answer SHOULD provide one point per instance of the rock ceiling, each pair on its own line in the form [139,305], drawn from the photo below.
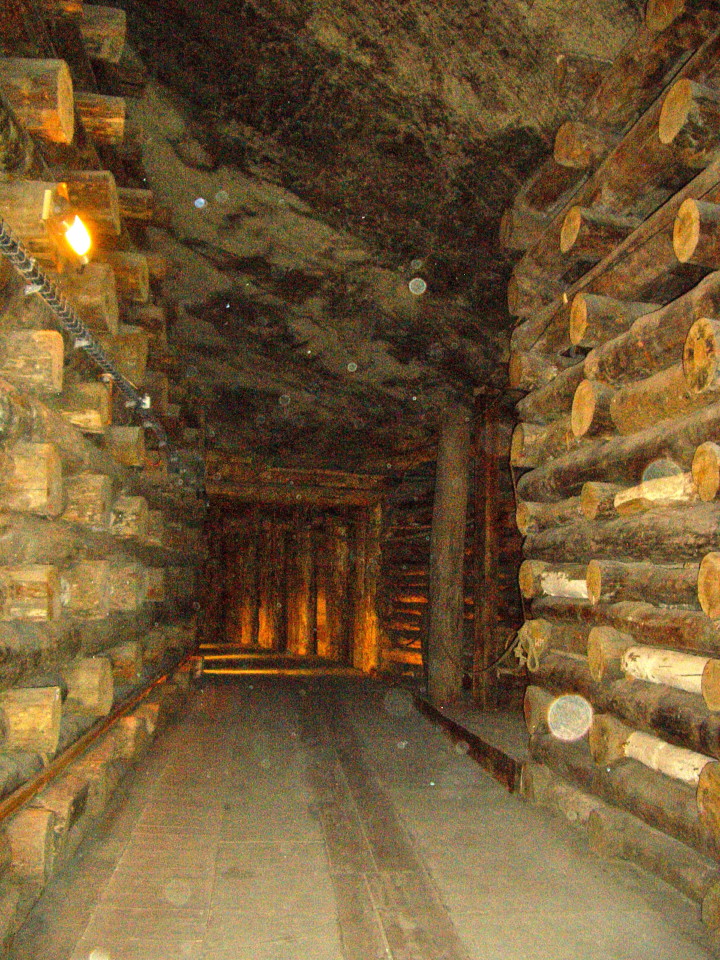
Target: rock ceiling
[316,158]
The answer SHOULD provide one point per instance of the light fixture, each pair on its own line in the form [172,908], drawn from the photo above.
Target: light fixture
[77,237]
[64,225]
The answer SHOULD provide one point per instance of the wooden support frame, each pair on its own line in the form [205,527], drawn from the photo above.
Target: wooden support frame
[445,644]
[486,554]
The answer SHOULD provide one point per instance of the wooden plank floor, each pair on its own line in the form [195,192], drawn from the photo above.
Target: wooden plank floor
[328,820]
[387,904]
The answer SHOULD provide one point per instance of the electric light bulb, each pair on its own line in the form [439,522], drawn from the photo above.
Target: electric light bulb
[78,237]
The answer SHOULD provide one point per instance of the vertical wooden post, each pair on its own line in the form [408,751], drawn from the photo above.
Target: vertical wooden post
[241,620]
[487,555]
[301,595]
[447,547]
[365,577]
[224,559]
[271,579]
[337,608]
[280,573]
[248,586]
[358,536]
[333,613]
[265,552]
[321,552]
[234,571]
[373,558]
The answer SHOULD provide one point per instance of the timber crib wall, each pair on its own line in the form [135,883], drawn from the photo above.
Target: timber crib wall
[617,293]
[301,581]
[99,548]
[492,555]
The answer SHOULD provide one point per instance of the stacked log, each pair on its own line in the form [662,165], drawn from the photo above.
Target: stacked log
[40,93]
[405,572]
[619,516]
[79,628]
[642,171]
[617,94]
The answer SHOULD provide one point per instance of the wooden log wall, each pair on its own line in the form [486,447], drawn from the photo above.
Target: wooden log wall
[617,461]
[99,545]
[492,558]
[405,567]
[497,680]
[297,581]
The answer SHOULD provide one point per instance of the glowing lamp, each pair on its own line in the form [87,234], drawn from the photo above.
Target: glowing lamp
[77,237]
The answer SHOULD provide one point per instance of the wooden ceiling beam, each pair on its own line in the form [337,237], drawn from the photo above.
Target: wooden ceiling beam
[287,496]
[232,479]
[220,468]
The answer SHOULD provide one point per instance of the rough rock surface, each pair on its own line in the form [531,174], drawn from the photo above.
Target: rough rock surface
[316,157]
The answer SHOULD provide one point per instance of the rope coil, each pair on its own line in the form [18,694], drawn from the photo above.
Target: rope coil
[526,650]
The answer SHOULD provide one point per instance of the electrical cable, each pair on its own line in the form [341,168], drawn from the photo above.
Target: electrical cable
[83,339]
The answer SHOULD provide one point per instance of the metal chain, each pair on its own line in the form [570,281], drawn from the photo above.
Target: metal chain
[83,339]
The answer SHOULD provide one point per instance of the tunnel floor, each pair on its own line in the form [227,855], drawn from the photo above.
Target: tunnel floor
[327,820]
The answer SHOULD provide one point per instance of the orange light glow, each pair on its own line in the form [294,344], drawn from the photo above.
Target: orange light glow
[78,237]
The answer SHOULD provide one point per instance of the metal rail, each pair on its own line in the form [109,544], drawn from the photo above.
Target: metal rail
[83,339]
[18,798]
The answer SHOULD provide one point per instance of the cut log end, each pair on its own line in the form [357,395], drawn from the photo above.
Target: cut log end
[526,579]
[584,408]
[566,149]
[570,229]
[31,718]
[570,149]
[65,100]
[589,501]
[605,648]
[517,445]
[41,94]
[578,319]
[535,636]
[513,296]
[710,685]
[596,499]
[607,740]
[659,14]
[701,353]
[32,843]
[516,370]
[522,518]
[708,798]
[103,31]
[521,227]
[593,580]
[711,908]
[675,109]
[689,120]
[530,371]
[580,145]
[709,585]
[90,685]
[706,470]
[686,230]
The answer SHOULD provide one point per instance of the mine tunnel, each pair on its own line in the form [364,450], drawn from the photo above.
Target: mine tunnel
[359,472]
